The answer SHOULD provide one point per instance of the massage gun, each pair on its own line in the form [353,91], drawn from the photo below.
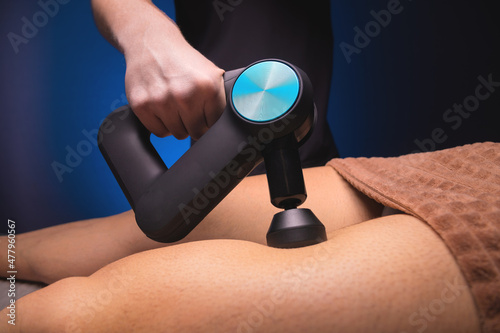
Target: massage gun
[269,113]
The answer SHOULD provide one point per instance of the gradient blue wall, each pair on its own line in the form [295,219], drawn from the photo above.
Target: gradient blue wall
[66,78]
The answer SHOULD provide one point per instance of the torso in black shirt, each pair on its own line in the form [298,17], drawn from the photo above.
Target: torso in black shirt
[233,34]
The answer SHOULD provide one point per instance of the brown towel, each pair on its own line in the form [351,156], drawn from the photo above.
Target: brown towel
[457,192]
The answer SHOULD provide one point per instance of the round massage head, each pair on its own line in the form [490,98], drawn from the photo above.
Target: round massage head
[265,91]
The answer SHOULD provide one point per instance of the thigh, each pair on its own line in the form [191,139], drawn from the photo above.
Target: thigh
[61,251]
[391,274]
[246,213]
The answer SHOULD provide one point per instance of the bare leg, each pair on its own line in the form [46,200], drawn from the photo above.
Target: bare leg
[81,248]
[392,274]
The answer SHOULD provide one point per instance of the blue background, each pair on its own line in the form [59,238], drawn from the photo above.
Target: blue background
[67,78]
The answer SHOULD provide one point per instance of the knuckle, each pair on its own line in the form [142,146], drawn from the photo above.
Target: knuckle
[158,95]
[184,93]
[208,84]
[138,99]
[148,98]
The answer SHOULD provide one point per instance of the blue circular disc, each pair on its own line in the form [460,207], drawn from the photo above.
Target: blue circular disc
[265,91]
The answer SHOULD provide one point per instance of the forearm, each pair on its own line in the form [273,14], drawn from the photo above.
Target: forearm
[124,23]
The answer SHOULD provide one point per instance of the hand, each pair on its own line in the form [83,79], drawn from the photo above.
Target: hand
[172,88]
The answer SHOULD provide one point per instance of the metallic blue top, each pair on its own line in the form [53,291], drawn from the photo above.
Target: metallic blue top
[265,91]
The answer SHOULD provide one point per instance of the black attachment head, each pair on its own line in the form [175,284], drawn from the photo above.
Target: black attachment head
[296,227]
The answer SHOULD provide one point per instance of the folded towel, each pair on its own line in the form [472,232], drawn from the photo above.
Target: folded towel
[457,192]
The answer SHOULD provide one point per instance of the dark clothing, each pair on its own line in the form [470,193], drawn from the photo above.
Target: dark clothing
[234,34]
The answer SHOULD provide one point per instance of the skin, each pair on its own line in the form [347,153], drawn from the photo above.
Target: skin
[373,274]
[172,88]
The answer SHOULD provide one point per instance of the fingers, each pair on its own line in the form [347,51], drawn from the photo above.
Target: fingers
[143,104]
[215,105]
[189,100]
[203,107]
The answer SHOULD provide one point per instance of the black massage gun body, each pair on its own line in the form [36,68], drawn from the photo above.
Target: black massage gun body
[169,203]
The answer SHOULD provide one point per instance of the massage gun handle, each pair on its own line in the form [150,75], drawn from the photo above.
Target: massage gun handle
[125,145]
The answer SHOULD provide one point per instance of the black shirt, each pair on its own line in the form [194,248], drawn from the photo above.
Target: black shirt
[235,33]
